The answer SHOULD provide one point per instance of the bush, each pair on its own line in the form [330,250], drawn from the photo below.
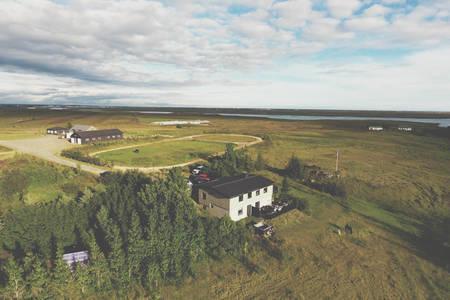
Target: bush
[78,155]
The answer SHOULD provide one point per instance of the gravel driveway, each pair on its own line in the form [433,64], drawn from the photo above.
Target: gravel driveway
[48,148]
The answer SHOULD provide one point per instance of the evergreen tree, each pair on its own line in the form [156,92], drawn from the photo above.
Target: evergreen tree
[136,247]
[61,273]
[16,285]
[38,279]
[98,267]
[260,164]
[294,168]
[284,190]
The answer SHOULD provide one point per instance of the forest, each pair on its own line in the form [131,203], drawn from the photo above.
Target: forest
[138,231]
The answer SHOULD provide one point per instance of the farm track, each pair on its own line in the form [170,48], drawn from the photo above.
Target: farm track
[48,148]
[240,145]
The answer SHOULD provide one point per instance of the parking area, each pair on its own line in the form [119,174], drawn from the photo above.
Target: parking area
[48,148]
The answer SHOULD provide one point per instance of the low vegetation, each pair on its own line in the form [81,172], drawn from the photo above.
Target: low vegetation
[80,156]
[26,180]
[163,153]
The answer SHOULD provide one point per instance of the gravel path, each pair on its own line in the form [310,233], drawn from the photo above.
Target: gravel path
[48,147]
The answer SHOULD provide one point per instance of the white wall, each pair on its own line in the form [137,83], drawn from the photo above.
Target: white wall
[263,198]
[222,206]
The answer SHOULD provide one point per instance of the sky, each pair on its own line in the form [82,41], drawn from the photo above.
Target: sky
[310,54]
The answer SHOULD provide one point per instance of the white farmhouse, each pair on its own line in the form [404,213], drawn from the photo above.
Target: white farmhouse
[235,196]
[376,128]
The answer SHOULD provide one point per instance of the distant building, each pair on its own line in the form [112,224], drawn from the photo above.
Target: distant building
[57,130]
[376,128]
[407,129]
[76,257]
[85,137]
[79,128]
[177,122]
[235,196]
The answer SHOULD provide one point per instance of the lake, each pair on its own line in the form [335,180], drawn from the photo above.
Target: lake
[445,122]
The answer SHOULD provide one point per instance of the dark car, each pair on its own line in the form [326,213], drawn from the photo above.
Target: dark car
[268,211]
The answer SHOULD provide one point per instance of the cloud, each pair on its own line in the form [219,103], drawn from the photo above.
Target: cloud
[179,52]
[342,9]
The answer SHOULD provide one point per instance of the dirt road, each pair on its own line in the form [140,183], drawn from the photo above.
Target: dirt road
[48,147]
[191,137]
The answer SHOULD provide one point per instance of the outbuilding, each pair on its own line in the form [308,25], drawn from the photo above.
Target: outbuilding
[74,258]
[85,137]
[235,196]
[57,130]
[79,128]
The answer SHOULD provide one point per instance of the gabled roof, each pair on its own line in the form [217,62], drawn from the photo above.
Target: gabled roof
[97,133]
[233,186]
[79,127]
[74,257]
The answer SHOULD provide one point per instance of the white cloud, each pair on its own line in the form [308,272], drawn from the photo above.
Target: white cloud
[342,8]
[292,13]
[146,52]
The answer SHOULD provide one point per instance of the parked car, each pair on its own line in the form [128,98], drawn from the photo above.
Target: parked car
[267,211]
[263,229]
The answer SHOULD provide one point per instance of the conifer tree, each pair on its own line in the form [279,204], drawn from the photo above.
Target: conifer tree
[16,285]
[260,163]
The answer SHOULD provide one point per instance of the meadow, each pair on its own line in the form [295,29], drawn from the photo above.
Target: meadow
[398,202]
[162,154]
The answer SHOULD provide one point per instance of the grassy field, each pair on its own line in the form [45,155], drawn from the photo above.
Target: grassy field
[161,154]
[44,181]
[229,138]
[398,193]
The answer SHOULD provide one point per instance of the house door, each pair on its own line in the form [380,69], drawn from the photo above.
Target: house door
[249,210]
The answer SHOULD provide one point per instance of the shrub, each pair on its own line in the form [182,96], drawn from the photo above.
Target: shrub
[78,155]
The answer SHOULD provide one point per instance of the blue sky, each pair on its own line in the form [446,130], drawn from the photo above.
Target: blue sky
[352,54]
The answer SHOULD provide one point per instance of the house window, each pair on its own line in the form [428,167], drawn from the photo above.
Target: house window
[240,212]
[265,190]
[204,195]
[258,192]
[241,198]
[249,195]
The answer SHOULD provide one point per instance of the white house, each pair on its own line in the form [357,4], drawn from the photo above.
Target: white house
[235,196]
[407,129]
[376,128]
[79,128]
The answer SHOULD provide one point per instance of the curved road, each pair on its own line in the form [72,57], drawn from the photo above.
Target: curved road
[48,148]
[240,145]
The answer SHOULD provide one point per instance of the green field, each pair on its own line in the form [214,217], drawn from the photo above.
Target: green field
[398,188]
[162,154]
[226,138]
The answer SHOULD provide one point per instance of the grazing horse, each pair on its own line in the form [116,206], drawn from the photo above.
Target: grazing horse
[348,229]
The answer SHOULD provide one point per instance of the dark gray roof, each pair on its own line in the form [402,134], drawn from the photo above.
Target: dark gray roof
[97,133]
[233,186]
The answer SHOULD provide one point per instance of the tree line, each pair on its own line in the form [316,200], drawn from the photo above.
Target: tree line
[138,231]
